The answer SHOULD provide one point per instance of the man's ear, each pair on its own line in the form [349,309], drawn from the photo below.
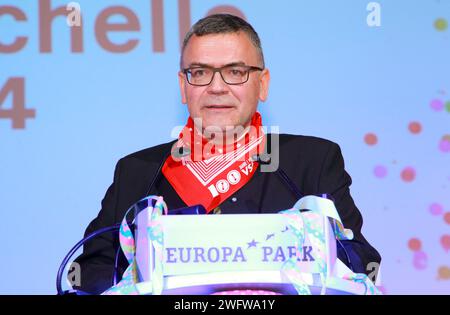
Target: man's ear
[182,83]
[264,80]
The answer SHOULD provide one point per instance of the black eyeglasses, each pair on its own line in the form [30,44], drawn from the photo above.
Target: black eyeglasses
[231,74]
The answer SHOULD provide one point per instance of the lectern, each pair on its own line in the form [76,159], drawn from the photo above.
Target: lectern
[290,252]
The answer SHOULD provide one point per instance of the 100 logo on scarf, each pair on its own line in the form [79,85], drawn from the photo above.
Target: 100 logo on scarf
[233,177]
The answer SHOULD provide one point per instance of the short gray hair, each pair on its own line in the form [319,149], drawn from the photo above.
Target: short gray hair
[223,24]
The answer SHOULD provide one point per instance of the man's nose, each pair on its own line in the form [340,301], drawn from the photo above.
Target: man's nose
[218,85]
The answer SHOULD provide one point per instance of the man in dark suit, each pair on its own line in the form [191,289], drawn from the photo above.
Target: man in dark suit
[215,160]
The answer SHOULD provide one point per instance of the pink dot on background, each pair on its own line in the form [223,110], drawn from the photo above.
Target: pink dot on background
[437,104]
[447,218]
[380,171]
[445,242]
[420,260]
[436,209]
[444,145]
[408,174]
[371,139]
[415,127]
[414,244]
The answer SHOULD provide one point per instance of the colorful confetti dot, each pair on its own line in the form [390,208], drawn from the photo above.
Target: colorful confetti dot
[437,104]
[447,106]
[408,174]
[371,139]
[415,127]
[414,244]
[436,209]
[420,260]
[380,171]
[440,24]
[444,145]
[445,242]
[443,273]
[447,218]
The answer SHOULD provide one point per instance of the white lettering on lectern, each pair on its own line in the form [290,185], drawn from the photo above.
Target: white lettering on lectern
[234,254]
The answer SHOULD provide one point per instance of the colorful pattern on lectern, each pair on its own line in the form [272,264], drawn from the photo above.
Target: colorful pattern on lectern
[290,267]
[127,286]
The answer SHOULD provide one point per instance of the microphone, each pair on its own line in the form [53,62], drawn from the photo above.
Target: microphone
[115,228]
[198,209]
[158,172]
[176,153]
[69,255]
[152,184]
[265,159]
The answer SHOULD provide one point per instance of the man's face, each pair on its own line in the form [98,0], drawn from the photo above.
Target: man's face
[220,104]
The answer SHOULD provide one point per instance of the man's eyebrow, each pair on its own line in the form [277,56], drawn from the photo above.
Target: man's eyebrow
[203,65]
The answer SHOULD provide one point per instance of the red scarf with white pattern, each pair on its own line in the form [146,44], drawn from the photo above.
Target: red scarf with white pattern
[208,173]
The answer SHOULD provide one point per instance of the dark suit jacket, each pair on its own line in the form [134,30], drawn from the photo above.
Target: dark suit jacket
[315,165]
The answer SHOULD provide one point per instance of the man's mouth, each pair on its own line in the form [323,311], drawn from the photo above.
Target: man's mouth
[218,106]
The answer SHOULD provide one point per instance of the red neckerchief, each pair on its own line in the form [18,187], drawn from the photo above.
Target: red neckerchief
[208,174]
